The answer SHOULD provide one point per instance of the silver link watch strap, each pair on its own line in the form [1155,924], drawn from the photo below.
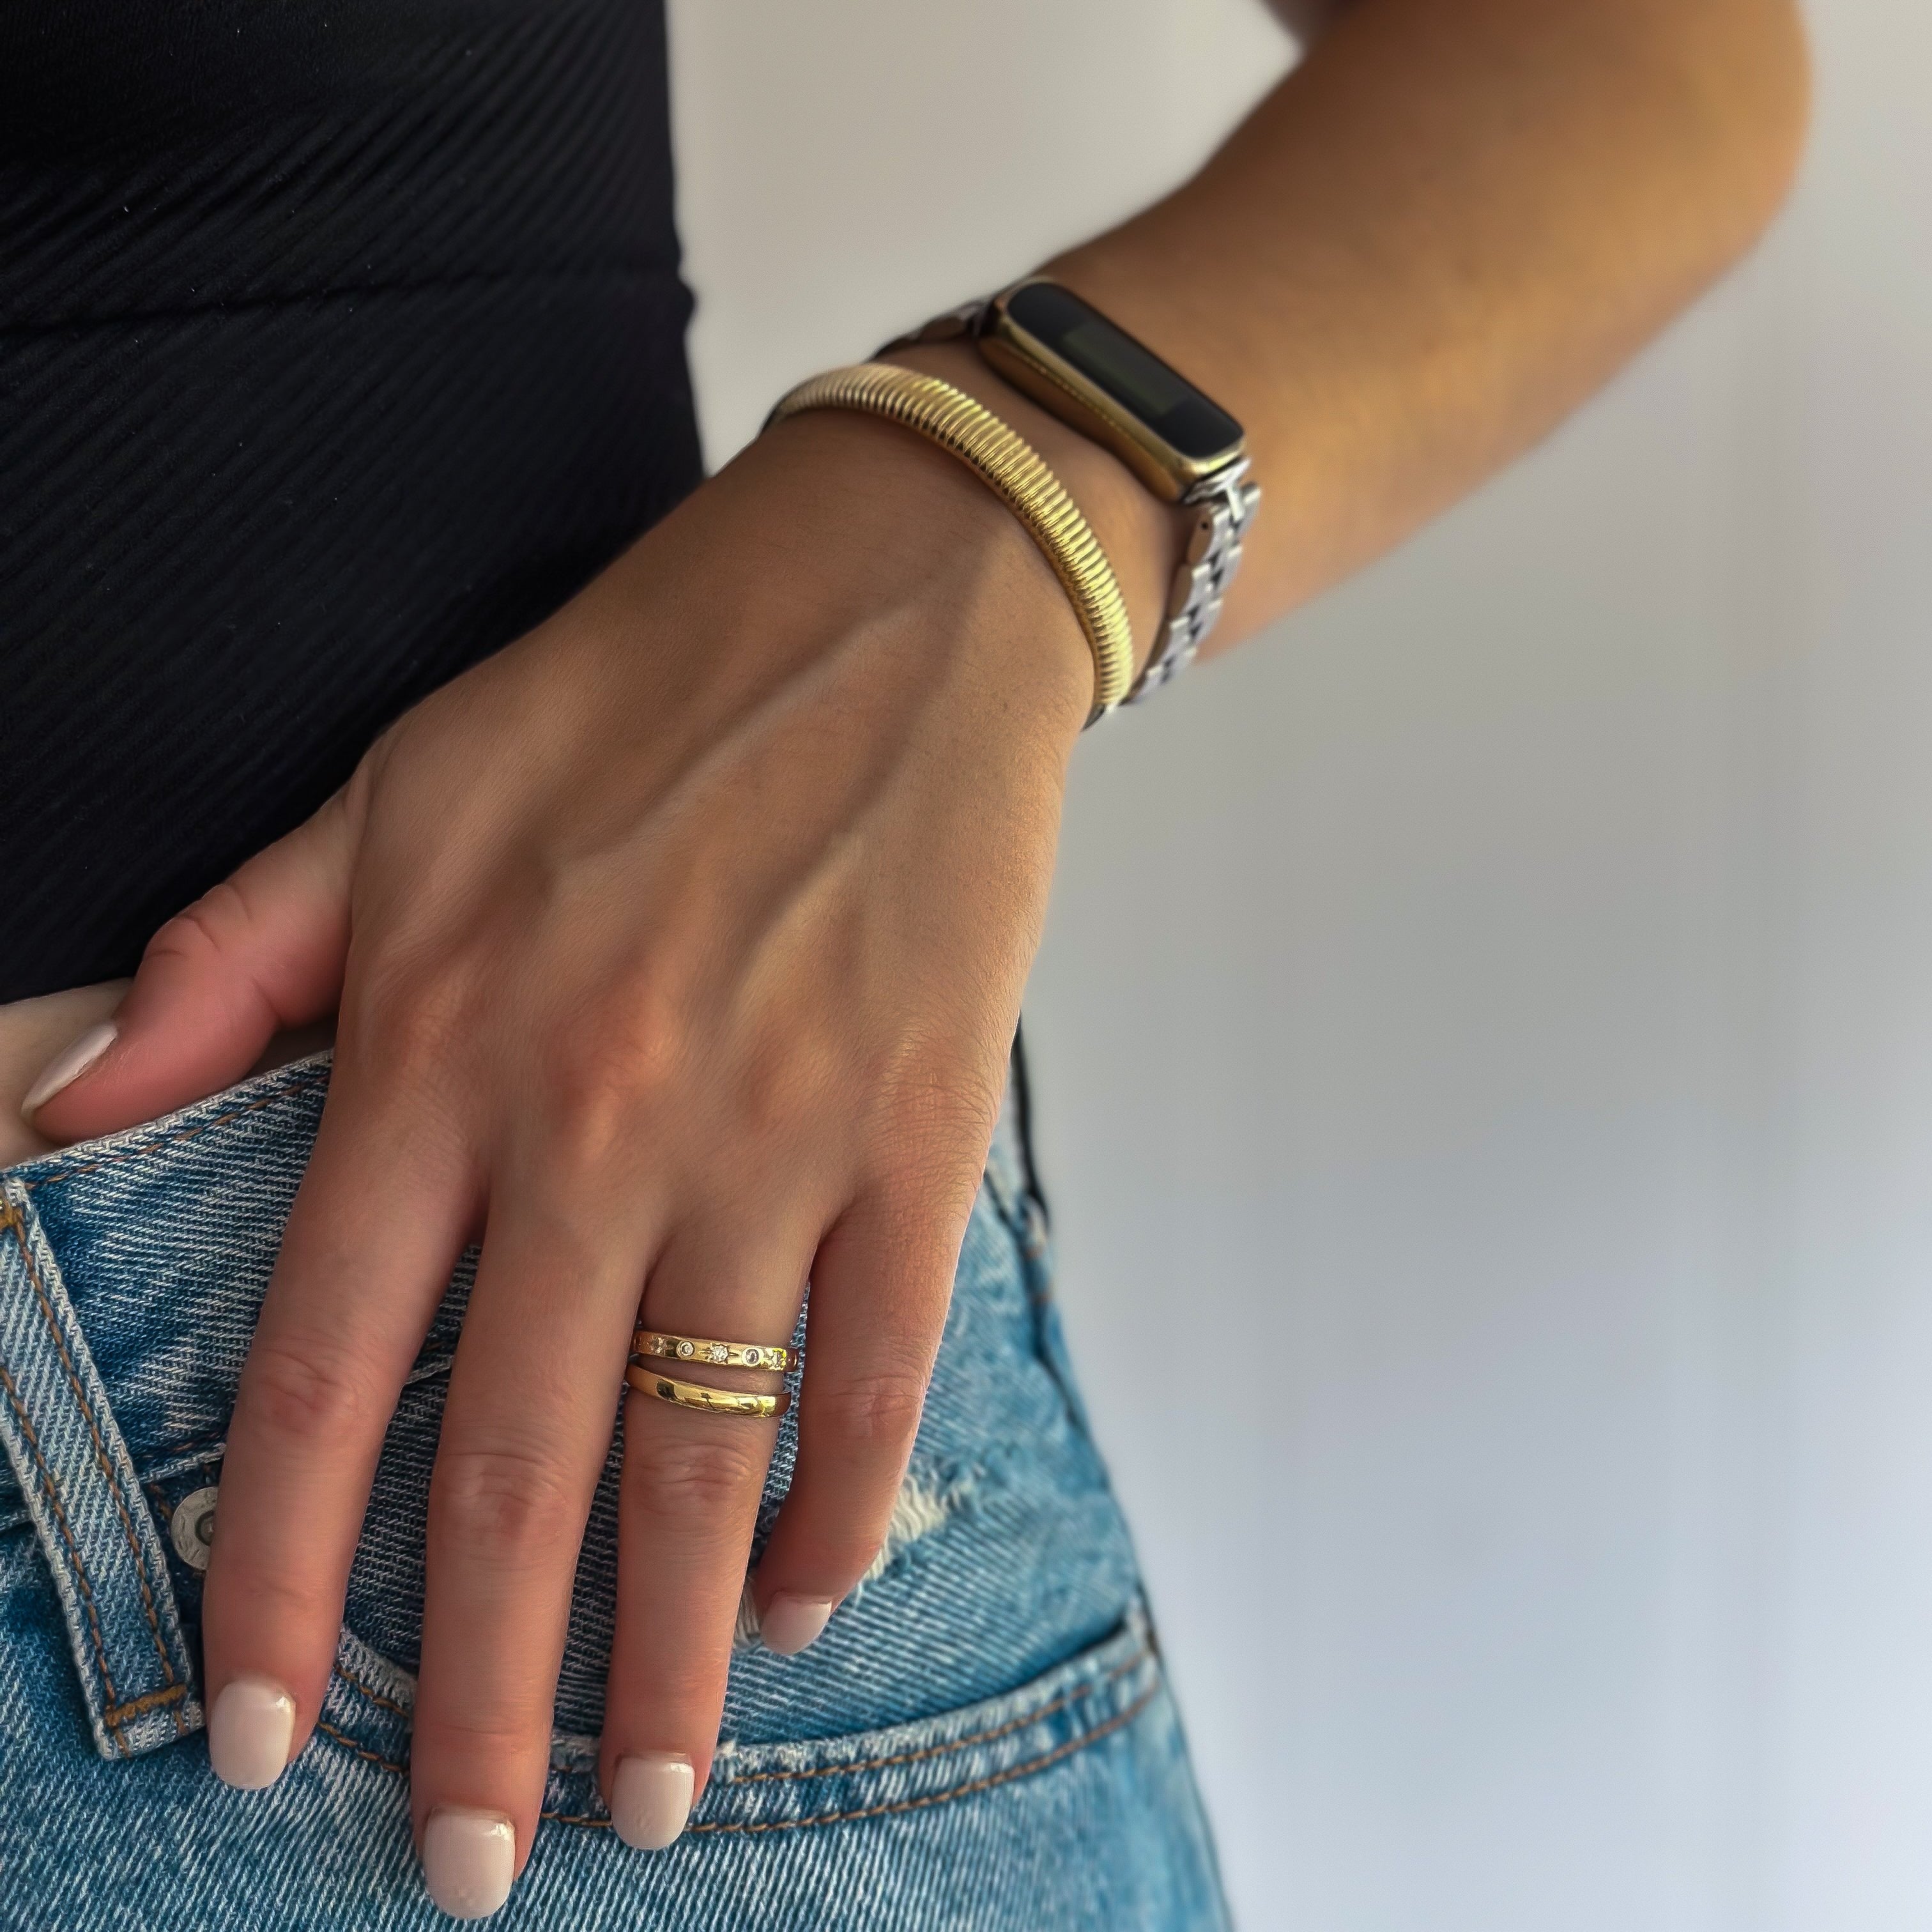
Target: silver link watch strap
[1227,503]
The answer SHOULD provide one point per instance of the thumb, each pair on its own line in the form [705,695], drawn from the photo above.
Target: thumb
[263,951]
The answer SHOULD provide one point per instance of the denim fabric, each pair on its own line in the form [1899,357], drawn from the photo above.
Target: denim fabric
[981,1738]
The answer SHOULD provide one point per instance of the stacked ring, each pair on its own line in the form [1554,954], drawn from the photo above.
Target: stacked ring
[700,1395]
[719,1354]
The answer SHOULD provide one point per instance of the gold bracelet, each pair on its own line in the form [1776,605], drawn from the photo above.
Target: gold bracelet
[1011,466]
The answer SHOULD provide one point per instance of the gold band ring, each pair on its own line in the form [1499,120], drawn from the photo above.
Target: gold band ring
[719,1354]
[701,1395]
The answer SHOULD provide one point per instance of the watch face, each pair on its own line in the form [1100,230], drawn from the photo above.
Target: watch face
[1111,359]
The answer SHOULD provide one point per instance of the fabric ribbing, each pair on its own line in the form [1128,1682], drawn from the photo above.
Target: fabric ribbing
[337,347]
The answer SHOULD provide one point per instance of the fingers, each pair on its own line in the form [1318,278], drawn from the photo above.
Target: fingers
[688,1505]
[880,1287]
[263,951]
[376,1228]
[691,1481]
[532,1402]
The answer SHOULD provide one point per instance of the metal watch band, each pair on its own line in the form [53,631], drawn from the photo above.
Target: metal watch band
[1227,503]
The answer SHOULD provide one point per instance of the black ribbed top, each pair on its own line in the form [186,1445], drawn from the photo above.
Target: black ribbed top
[339,341]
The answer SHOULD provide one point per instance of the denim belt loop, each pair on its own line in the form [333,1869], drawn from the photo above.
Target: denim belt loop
[101,1542]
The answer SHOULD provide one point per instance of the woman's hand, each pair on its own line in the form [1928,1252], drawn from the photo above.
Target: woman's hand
[678,950]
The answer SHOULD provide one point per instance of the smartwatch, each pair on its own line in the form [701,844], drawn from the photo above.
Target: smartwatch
[1063,353]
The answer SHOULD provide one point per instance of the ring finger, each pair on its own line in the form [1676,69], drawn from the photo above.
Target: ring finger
[688,1506]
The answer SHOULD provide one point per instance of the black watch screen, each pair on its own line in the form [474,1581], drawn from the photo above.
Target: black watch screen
[1113,362]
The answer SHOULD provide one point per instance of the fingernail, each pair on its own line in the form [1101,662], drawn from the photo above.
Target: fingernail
[787,1623]
[650,1799]
[249,1732]
[67,1066]
[468,1859]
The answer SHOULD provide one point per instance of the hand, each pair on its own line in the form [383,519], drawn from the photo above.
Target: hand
[678,950]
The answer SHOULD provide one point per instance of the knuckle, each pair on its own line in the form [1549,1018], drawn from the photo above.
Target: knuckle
[250,1599]
[516,1503]
[931,1122]
[305,1396]
[693,1477]
[602,1073]
[878,1410]
[785,1095]
[408,1017]
[840,1556]
[588,1112]
[204,928]
[932,1089]
[506,1735]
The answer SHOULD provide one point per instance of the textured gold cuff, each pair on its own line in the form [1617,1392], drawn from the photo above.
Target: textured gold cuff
[1011,466]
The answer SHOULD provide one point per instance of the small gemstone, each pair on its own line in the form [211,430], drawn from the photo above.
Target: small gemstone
[719,1353]
[685,1349]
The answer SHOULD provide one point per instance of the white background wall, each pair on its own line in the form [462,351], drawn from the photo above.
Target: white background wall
[1503,999]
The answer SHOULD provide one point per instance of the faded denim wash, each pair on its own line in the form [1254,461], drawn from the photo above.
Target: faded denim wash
[982,1739]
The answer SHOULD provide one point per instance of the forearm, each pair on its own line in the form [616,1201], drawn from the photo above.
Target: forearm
[1435,237]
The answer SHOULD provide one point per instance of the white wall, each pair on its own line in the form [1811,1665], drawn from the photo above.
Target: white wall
[1503,1000]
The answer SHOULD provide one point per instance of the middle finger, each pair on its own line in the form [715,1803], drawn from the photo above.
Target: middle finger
[531,1404]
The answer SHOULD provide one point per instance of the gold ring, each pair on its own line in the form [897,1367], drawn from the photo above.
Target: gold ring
[719,1354]
[701,1395]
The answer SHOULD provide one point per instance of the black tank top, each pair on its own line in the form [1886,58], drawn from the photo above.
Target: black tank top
[339,341]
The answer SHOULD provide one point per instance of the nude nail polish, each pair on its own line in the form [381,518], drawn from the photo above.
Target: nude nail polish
[650,1798]
[250,1727]
[468,1859]
[787,1623]
[67,1066]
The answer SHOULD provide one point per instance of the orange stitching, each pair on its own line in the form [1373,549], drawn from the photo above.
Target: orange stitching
[181,1134]
[1060,1703]
[898,1804]
[349,1743]
[374,1696]
[978,1784]
[52,1495]
[9,1217]
[930,1798]
[169,1451]
[152,1701]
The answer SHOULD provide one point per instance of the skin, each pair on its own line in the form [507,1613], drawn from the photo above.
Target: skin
[677,950]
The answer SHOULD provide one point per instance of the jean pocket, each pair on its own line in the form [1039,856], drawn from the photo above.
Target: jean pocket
[1008,1554]
[1066,1803]
[797,1784]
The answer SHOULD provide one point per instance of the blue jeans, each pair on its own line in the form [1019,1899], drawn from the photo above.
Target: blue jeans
[981,1738]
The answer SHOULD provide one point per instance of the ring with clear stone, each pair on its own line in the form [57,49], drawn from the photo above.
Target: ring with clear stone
[648,1343]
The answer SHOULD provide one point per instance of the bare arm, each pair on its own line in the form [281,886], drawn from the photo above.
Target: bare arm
[678,947]
[1446,227]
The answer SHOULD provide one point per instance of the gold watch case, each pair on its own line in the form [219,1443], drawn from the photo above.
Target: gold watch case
[1032,365]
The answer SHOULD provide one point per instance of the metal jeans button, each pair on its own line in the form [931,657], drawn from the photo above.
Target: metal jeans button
[191,1528]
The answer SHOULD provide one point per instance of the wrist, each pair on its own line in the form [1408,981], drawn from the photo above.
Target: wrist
[858,519]
[1143,537]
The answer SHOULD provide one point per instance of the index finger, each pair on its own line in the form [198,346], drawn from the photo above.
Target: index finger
[377,1226]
